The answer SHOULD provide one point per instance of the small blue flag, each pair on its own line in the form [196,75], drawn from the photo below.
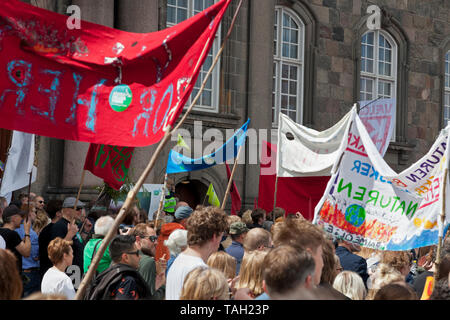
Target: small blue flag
[180,163]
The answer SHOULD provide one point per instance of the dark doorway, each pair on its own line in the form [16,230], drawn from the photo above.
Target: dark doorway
[191,191]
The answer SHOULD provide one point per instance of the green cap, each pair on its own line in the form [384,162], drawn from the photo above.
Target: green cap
[238,227]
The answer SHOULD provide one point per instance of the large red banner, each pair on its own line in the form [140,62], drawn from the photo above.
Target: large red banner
[97,84]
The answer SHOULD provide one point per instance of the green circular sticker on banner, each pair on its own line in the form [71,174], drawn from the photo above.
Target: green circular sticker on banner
[120,97]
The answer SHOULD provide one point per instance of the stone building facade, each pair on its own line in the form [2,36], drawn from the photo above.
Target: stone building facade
[324,53]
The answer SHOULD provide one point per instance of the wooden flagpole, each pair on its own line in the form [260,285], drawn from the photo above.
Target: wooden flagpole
[132,193]
[78,197]
[230,181]
[161,201]
[442,216]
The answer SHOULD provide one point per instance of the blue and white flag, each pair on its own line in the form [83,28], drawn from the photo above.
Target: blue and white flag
[180,163]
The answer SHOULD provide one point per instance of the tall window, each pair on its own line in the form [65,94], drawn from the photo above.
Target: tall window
[178,11]
[447,89]
[288,50]
[378,68]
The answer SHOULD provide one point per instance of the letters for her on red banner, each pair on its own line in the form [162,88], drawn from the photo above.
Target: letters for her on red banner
[366,202]
[97,84]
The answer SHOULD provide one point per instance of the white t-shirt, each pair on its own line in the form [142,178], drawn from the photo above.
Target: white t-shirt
[181,266]
[57,282]
[2,243]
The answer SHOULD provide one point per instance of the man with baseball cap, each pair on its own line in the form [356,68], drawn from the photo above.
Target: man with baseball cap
[12,218]
[238,231]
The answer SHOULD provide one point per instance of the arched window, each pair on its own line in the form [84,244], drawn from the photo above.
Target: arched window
[178,11]
[288,65]
[378,74]
[447,89]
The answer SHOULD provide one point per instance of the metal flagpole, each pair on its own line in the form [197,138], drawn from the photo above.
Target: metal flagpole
[131,195]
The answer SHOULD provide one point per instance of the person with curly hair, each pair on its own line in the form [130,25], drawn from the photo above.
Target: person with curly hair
[205,230]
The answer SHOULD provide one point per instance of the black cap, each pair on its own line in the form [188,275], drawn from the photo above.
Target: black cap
[12,210]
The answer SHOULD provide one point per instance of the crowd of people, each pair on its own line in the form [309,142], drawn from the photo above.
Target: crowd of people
[202,253]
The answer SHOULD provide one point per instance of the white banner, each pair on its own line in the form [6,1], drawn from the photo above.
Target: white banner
[366,202]
[379,119]
[154,191]
[19,164]
[306,152]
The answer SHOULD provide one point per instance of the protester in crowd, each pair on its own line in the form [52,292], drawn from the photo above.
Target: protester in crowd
[399,260]
[182,212]
[205,230]
[41,221]
[329,270]
[258,239]
[12,218]
[351,285]
[272,216]
[55,280]
[30,265]
[247,218]
[3,205]
[87,229]
[165,231]
[302,235]
[10,279]
[251,273]
[66,228]
[384,275]
[226,239]
[176,243]
[238,232]
[258,218]
[101,228]
[53,209]
[288,273]
[38,202]
[224,262]
[121,281]
[396,291]
[153,275]
[204,283]
[350,261]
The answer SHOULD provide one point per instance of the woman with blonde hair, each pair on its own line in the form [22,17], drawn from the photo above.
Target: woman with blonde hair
[204,283]
[384,275]
[350,284]
[224,262]
[251,272]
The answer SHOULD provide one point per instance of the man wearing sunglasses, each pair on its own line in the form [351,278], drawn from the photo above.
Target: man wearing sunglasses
[39,203]
[154,275]
[121,281]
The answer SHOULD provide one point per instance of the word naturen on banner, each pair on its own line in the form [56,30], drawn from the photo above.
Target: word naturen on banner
[368,203]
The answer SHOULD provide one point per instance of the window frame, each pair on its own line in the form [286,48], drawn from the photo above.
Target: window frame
[215,74]
[279,61]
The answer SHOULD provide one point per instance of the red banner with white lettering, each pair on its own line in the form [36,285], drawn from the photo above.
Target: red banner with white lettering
[111,163]
[97,84]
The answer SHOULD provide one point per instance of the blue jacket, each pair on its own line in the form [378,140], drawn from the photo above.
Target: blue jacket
[236,250]
[352,262]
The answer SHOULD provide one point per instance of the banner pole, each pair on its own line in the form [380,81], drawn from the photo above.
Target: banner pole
[442,216]
[231,177]
[132,193]
[275,193]
[161,201]
[78,197]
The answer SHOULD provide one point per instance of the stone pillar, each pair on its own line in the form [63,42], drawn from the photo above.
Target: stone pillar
[260,60]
